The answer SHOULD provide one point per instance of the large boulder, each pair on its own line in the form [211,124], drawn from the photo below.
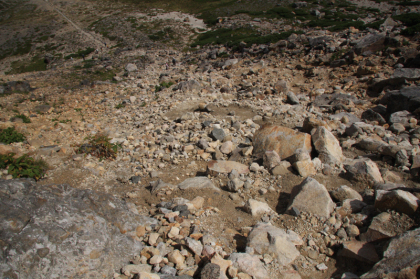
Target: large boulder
[327,146]
[249,264]
[371,42]
[58,231]
[311,196]
[364,170]
[280,139]
[401,259]
[399,200]
[407,98]
[267,239]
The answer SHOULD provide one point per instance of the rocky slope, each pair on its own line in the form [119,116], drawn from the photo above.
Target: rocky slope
[295,159]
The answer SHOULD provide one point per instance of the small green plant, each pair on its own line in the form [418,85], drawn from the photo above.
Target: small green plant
[54,119]
[120,105]
[65,121]
[143,104]
[163,85]
[100,146]
[78,109]
[24,118]
[10,135]
[24,166]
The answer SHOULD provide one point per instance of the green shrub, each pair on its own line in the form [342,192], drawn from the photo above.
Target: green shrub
[24,118]
[412,21]
[24,166]
[10,135]
[163,85]
[80,53]
[99,146]
[120,105]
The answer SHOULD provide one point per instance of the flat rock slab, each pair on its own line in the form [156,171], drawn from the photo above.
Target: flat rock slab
[361,251]
[407,98]
[283,140]
[216,167]
[197,183]
[402,257]
[407,73]
[62,232]
[363,170]
[399,200]
[249,264]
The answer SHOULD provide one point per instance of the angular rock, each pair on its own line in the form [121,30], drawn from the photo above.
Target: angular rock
[131,67]
[401,259]
[282,169]
[380,228]
[408,98]
[415,167]
[371,115]
[361,251]
[271,159]
[256,208]
[133,269]
[160,185]
[249,264]
[371,144]
[210,271]
[364,170]
[216,167]
[190,85]
[267,239]
[45,225]
[401,117]
[407,73]
[235,184]
[345,192]
[280,139]
[222,263]
[311,196]
[371,42]
[198,182]
[305,168]
[328,147]
[399,200]
[218,134]
[292,99]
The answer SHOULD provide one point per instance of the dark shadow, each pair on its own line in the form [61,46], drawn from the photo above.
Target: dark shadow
[283,202]
[344,264]
[240,243]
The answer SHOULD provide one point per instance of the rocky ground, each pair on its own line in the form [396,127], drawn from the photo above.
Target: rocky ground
[298,159]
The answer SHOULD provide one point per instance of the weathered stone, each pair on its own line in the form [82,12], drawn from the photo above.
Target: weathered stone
[222,263]
[364,170]
[255,207]
[371,42]
[305,168]
[327,146]
[407,73]
[188,86]
[311,123]
[227,147]
[399,200]
[281,86]
[402,117]
[218,134]
[194,245]
[408,98]
[362,251]
[311,196]
[198,182]
[371,144]
[131,67]
[235,184]
[271,159]
[249,264]
[415,167]
[176,257]
[210,271]
[280,139]
[133,269]
[59,220]
[401,259]
[380,228]
[282,169]
[371,115]
[216,167]
[160,185]
[267,239]
[345,192]
[292,99]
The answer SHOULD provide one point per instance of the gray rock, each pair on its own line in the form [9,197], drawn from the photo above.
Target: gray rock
[194,245]
[397,128]
[371,115]
[160,185]
[131,67]
[218,134]
[235,185]
[407,98]
[402,117]
[249,264]
[371,42]
[217,167]
[198,182]
[187,86]
[256,208]
[281,86]
[407,73]
[401,258]
[364,170]
[328,147]
[271,159]
[362,251]
[345,192]
[210,271]
[380,228]
[292,99]
[267,239]
[303,198]
[399,200]
[62,232]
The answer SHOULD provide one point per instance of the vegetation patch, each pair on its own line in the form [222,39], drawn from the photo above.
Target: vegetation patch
[412,21]
[233,37]
[163,85]
[24,118]
[24,166]
[100,146]
[36,64]
[80,53]
[10,135]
